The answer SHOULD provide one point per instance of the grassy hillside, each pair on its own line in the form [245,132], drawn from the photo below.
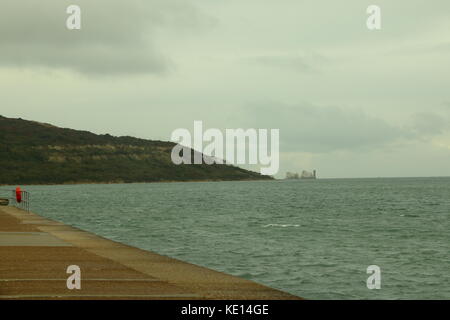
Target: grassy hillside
[38,153]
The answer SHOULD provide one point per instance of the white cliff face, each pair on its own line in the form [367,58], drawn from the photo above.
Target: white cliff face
[304,175]
[292,175]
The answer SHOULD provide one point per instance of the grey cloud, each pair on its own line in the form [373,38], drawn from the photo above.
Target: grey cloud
[116,36]
[305,127]
[95,60]
[309,128]
[429,124]
[303,63]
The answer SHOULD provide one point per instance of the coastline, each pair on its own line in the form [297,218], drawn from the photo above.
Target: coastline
[36,252]
[212,180]
[139,182]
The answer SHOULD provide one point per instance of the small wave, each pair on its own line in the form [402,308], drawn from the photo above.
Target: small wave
[281,225]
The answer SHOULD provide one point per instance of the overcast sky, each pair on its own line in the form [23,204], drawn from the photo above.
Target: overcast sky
[349,102]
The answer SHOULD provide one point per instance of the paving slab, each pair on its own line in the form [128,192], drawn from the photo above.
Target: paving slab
[30,239]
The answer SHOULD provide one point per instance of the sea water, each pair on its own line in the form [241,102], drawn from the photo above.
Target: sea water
[312,238]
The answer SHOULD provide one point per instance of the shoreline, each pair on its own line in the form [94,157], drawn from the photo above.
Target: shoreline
[117,182]
[212,180]
[36,252]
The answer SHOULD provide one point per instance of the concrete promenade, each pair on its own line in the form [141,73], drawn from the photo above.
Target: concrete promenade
[35,253]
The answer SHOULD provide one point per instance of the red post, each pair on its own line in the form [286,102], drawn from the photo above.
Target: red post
[18,195]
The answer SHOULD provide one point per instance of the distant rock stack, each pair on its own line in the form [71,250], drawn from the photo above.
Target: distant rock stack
[292,175]
[308,175]
[305,175]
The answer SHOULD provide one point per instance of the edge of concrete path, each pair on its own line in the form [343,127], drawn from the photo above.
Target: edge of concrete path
[207,283]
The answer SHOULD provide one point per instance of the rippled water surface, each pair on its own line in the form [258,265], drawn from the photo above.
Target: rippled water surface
[314,239]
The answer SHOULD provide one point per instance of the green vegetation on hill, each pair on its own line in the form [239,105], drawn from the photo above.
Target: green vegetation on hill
[39,153]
